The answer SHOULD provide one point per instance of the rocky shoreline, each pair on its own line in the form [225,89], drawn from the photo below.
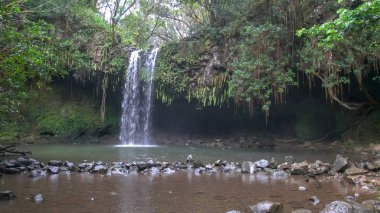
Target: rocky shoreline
[365,175]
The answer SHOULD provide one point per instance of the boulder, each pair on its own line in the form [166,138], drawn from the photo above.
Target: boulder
[340,164]
[337,207]
[354,171]
[7,195]
[246,167]
[267,207]
[299,168]
[53,169]
[141,166]
[37,173]
[262,163]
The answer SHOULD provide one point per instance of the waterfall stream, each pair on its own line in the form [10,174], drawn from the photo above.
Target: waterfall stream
[137,101]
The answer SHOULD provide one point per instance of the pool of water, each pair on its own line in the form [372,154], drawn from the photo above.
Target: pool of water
[178,192]
[109,153]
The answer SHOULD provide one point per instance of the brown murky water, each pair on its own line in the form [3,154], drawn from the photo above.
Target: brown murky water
[179,192]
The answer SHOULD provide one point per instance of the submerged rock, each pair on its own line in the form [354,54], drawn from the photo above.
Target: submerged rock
[38,198]
[337,207]
[7,195]
[267,207]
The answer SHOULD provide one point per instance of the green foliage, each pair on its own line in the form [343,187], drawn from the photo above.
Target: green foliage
[8,131]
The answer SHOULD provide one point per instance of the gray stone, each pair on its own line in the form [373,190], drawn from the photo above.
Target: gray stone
[358,208]
[11,171]
[340,164]
[102,169]
[53,169]
[38,198]
[37,173]
[24,161]
[246,167]
[267,207]
[355,171]
[337,207]
[372,205]
[262,163]
[280,174]
[7,195]
[299,168]
[289,159]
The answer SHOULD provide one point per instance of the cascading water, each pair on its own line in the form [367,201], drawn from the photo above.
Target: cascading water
[136,106]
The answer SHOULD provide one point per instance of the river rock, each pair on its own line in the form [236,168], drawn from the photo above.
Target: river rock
[337,207]
[340,164]
[168,170]
[197,164]
[267,207]
[246,167]
[11,170]
[7,195]
[354,171]
[37,173]
[299,168]
[301,211]
[53,169]
[24,161]
[375,148]
[102,169]
[56,163]
[318,168]
[262,163]
[314,200]
[38,198]
[141,166]
[230,167]
[280,174]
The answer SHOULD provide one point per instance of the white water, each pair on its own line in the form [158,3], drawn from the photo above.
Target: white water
[137,101]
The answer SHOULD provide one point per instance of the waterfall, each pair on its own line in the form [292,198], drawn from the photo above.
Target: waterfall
[137,101]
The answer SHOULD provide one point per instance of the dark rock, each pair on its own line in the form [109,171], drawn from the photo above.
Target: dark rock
[56,163]
[22,168]
[340,164]
[53,169]
[24,161]
[267,207]
[37,173]
[102,169]
[74,168]
[337,207]
[7,195]
[38,198]
[198,164]
[141,166]
[299,168]
[11,171]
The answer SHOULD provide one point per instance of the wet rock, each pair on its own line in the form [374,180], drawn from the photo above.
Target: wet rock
[289,160]
[53,169]
[74,169]
[354,171]
[262,163]
[7,195]
[246,167]
[299,168]
[198,164]
[280,174]
[11,171]
[168,171]
[154,171]
[141,166]
[150,163]
[318,168]
[37,173]
[38,198]
[314,200]
[267,207]
[301,211]
[230,167]
[358,208]
[337,207]
[102,169]
[24,161]
[340,164]
[56,163]
[283,166]
[372,205]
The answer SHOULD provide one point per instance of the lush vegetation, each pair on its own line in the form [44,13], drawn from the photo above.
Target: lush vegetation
[250,53]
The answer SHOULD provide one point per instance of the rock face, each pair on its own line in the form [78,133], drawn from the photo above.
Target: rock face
[7,195]
[267,207]
[337,207]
